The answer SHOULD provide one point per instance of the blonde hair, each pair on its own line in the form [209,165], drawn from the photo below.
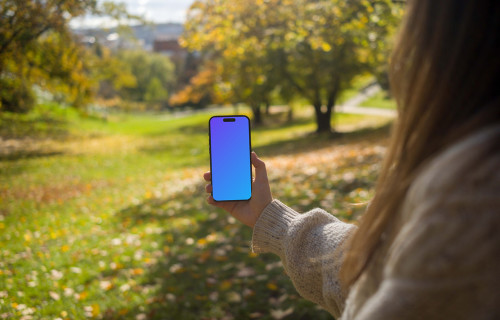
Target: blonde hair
[444,72]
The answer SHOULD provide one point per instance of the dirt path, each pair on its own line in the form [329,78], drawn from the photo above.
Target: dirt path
[352,105]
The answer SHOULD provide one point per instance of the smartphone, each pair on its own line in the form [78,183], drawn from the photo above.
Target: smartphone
[230,145]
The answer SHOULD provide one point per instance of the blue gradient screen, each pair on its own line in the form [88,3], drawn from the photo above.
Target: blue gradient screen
[230,158]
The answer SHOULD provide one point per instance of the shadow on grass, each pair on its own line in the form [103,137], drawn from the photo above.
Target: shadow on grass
[19,137]
[203,268]
[206,270]
[25,154]
[14,127]
[304,143]
[314,141]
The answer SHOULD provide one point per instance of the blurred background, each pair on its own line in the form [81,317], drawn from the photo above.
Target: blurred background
[104,110]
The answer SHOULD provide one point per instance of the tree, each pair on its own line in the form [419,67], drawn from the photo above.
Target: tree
[318,46]
[329,43]
[231,35]
[146,67]
[155,92]
[37,47]
[110,72]
[201,90]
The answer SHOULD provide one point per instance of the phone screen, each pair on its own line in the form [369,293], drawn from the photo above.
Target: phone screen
[230,158]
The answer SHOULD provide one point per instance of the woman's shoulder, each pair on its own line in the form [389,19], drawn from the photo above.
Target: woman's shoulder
[450,215]
[465,174]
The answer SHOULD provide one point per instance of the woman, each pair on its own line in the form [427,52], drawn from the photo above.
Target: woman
[428,246]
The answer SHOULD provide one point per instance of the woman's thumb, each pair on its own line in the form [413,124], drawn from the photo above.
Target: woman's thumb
[260,167]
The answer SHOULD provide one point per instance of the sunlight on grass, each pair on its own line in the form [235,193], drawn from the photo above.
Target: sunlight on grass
[115,225]
[357,84]
[380,100]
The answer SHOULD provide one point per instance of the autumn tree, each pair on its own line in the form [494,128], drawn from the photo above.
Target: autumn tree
[111,72]
[232,35]
[327,43]
[38,48]
[201,90]
[154,75]
[318,47]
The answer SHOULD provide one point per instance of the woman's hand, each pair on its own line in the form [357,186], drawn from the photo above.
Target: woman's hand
[247,211]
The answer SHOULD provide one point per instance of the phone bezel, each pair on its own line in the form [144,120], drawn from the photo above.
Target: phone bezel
[249,151]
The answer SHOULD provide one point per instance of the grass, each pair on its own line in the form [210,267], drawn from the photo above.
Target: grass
[106,219]
[357,84]
[380,100]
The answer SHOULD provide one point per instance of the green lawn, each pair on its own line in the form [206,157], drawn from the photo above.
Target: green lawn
[357,84]
[380,100]
[106,219]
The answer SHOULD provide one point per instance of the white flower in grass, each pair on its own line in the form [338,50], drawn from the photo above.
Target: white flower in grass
[68,292]
[88,311]
[55,274]
[75,270]
[170,297]
[54,295]
[105,285]
[28,311]
[176,267]
[140,316]
[124,287]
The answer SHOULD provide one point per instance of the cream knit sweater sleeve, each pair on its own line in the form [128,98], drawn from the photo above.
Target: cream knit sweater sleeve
[443,263]
[445,260]
[309,246]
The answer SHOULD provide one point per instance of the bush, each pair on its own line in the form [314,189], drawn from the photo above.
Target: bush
[16,95]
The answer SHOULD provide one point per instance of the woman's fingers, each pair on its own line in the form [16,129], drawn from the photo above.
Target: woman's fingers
[207,176]
[260,168]
[210,200]
[226,205]
[208,188]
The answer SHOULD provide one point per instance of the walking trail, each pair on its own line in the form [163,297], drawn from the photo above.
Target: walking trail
[352,105]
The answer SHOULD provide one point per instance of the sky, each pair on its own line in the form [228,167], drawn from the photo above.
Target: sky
[154,10]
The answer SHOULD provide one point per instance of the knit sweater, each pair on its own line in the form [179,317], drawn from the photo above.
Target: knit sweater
[443,262]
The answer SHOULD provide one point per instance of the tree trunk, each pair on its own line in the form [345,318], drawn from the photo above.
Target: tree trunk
[289,117]
[267,107]
[257,115]
[323,118]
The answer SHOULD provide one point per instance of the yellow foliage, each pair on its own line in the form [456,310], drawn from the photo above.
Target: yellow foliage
[137,271]
[170,238]
[326,47]
[272,286]
[225,285]
[201,86]
[202,241]
[95,310]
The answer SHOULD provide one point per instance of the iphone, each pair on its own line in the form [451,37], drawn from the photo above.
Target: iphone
[230,145]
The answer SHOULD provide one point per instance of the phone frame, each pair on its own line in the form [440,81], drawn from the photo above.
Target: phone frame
[249,152]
